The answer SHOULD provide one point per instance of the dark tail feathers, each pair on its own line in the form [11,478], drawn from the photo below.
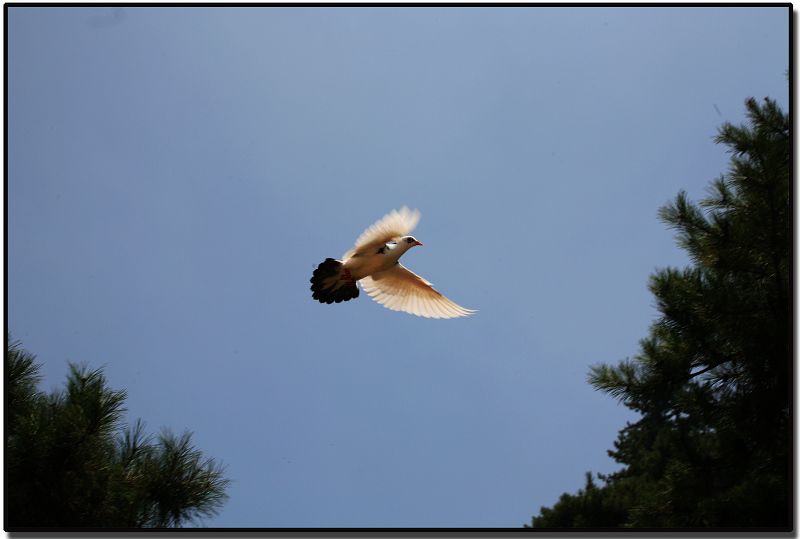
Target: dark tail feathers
[330,283]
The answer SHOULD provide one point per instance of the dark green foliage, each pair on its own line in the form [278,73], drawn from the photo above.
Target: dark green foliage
[591,507]
[22,378]
[712,379]
[70,465]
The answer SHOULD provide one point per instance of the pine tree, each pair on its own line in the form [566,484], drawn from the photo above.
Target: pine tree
[712,379]
[70,463]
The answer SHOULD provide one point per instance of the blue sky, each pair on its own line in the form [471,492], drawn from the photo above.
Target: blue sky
[176,174]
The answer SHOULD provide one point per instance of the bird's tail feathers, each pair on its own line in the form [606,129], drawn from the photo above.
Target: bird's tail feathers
[332,283]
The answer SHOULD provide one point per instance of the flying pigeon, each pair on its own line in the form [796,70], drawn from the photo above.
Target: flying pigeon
[375,262]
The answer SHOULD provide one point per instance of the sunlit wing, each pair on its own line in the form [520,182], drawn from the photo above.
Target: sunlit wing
[392,226]
[400,289]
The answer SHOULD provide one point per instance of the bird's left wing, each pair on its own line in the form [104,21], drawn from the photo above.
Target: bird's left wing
[392,226]
[400,289]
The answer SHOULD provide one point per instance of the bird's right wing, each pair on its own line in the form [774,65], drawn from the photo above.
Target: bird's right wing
[400,289]
[394,225]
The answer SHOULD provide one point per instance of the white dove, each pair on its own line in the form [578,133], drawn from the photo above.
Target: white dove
[375,262]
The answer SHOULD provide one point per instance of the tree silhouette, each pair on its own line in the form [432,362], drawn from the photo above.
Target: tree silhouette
[712,378]
[70,463]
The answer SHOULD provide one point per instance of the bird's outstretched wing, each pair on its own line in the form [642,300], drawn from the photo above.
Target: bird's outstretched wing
[400,289]
[394,225]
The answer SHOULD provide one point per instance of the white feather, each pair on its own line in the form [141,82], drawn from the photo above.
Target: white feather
[400,289]
[393,226]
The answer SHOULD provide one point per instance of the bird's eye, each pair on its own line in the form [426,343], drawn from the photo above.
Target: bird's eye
[409,240]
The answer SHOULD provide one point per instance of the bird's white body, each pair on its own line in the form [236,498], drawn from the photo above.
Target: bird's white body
[374,262]
[365,264]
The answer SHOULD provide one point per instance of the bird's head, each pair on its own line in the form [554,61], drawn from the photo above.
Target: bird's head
[410,240]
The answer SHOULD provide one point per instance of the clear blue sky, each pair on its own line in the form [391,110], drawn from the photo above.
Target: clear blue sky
[175,175]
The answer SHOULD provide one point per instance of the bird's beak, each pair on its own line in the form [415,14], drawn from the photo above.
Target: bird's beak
[418,243]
